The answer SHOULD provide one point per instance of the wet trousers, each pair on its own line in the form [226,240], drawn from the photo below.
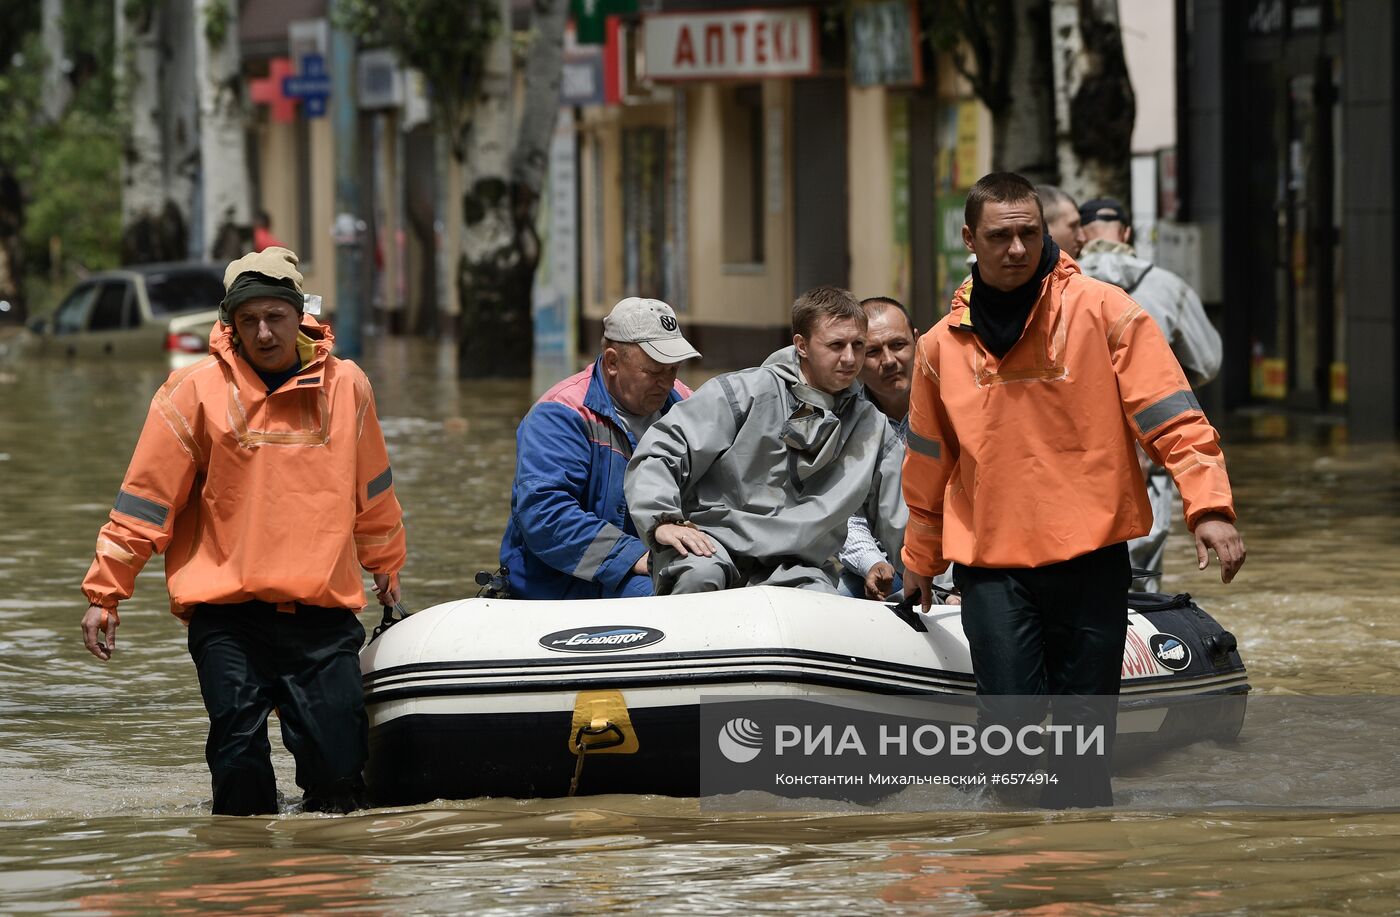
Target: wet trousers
[1148,552]
[1052,636]
[251,659]
[676,575]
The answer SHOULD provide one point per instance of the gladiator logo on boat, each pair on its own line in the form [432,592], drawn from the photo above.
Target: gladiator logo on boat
[607,638]
[1171,652]
[741,740]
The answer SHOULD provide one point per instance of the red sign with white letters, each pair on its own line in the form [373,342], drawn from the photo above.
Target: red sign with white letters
[732,44]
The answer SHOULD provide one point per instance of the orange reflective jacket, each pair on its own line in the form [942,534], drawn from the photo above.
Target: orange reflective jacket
[279,497]
[1029,460]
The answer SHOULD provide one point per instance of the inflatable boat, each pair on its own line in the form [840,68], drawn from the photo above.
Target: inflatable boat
[499,697]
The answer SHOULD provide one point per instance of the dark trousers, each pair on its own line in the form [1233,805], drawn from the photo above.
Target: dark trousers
[1053,631]
[251,659]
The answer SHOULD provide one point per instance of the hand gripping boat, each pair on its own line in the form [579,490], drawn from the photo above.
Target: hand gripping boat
[499,697]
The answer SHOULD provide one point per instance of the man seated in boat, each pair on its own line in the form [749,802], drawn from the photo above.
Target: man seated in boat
[752,480]
[569,535]
[886,373]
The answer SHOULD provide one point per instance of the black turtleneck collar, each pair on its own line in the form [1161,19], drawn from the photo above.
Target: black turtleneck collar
[999,316]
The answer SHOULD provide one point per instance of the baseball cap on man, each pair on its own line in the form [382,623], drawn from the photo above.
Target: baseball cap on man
[1103,208]
[270,273]
[651,324]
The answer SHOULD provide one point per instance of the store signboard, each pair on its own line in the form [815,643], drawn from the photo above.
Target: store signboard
[733,44]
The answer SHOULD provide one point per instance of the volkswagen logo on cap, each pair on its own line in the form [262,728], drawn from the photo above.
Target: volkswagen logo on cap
[668,323]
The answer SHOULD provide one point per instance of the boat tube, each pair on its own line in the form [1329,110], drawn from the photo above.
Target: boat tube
[499,697]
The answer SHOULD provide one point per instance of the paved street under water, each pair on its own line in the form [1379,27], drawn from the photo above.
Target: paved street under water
[105,802]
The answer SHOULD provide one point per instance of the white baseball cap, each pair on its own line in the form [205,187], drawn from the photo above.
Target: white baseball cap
[651,324]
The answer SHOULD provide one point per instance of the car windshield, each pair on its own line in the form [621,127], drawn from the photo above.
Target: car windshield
[189,291]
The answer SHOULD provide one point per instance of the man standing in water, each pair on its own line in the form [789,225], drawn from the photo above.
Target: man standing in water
[262,476]
[1028,398]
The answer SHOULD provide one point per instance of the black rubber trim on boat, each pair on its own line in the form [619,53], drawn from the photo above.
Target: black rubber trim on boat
[755,677]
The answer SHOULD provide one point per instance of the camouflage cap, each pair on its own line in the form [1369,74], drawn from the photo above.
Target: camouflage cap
[271,272]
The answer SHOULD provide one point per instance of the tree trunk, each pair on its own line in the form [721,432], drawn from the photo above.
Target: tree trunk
[58,90]
[13,306]
[179,81]
[1023,129]
[226,214]
[154,226]
[1094,101]
[501,190]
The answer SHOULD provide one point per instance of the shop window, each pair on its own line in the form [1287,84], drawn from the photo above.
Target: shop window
[743,210]
[646,223]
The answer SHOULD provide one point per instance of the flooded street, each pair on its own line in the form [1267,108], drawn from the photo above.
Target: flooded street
[106,794]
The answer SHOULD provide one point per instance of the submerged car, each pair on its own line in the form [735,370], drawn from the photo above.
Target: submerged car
[145,311]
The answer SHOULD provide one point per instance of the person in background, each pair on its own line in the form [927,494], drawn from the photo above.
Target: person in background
[1177,310]
[752,480]
[262,232]
[1061,219]
[1027,401]
[867,570]
[569,534]
[262,475]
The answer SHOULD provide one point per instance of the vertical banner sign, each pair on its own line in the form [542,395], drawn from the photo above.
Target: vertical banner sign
[899,191]
[555,299]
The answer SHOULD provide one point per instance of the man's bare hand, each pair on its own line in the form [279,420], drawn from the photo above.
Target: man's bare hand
[100,631]
[1216,533]
[879,581]
[387,589]
[685,540]
[640,567]
[922,583]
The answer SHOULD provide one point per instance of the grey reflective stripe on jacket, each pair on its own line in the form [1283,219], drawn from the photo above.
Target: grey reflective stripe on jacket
[719,460]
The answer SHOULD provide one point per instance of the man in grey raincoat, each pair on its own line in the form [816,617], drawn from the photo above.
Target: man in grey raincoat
[752,479]
[1177,310]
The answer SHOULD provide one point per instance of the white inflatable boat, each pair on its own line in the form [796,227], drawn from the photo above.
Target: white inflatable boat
[490,697]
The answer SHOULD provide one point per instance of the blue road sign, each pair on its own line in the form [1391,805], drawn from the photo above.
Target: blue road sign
[312,86]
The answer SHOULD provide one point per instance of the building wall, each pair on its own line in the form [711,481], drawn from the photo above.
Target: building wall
[1149,44]
[872,244]
[1369,216]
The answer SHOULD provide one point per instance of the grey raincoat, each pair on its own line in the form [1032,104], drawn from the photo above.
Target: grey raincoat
[1171,302]
[770,468]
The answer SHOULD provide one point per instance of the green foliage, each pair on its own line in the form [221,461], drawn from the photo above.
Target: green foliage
[445,39]
[217,18]
[74,191]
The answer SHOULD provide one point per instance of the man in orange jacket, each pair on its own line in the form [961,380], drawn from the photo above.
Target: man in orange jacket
[1026,403]
[262,476]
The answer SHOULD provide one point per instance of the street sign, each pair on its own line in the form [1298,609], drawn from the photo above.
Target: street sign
[312,87]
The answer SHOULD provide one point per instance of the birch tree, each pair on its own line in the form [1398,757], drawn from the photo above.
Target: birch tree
[1002,47]
[154,222]
[227,218]
[1094,102]
[465,51]
[58,90]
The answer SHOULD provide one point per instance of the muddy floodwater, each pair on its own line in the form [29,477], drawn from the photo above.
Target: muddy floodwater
[105,802]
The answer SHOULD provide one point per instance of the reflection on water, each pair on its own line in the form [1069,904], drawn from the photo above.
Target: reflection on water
[105,808]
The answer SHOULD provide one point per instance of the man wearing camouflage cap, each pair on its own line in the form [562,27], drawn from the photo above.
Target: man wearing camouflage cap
[261,474]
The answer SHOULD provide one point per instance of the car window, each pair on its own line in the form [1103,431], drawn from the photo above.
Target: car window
[184,291]
[71,316]
[109,312]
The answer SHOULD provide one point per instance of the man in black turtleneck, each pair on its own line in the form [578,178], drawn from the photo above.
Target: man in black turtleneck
[1026,402]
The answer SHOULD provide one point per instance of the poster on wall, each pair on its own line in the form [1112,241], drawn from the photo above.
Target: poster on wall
[884,43]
